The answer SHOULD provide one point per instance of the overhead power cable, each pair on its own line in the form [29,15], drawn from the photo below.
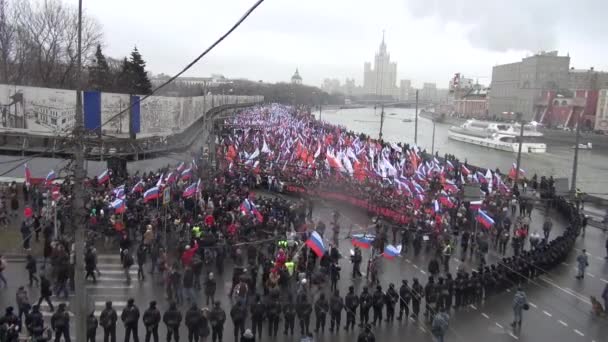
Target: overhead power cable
[191,64]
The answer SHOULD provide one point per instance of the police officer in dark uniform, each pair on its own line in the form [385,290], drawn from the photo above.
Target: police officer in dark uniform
[391,299]
[356,260]
[405,295]
[172,319]
[351,301]
[130,318]
[365,300]
[458,289]
[448,299]
[194,321]
[274,312]
[151,320]
[60,322]
[417,294]
[238,313]
[289,313]
[217,318]
[321,309]
[430,298]
[334,275]
[258,312]
[303,310]
[378,300]
[336,304]
[108,320]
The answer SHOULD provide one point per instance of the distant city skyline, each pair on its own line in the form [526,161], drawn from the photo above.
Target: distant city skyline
[429,40]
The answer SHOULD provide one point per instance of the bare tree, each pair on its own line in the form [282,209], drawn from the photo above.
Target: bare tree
[7,36]
[38,42]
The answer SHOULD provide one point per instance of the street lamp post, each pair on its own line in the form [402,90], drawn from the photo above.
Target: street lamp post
[416,121]
[521,142]
[320,107]
[575,161]
[433,142]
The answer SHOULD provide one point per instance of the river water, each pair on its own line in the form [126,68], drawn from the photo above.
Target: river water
[558,161]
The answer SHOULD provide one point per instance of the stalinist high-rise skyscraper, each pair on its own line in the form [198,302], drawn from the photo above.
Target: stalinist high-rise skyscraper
[381,80]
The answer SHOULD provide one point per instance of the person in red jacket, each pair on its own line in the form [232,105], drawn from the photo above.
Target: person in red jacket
[209,220]
[189,254]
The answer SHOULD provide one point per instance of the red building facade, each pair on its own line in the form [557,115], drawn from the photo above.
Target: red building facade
[557,109]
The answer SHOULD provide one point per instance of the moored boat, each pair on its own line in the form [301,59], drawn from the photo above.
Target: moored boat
[500,136]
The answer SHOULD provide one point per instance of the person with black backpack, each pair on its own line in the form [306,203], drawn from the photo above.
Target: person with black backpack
[194,320]
[60,321]
[34,322]
[107,320]
[258,313]
[172,319]
[90,261]
[127,262]
[151,319]
[92,324]
[238,313]
[141,260]
[130,318]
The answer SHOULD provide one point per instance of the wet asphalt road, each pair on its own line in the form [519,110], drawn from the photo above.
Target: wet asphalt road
[560,309]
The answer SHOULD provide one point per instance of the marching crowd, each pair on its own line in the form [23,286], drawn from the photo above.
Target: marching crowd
[286,266]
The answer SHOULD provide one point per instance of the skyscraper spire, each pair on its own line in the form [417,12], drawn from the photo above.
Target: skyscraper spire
[382,45]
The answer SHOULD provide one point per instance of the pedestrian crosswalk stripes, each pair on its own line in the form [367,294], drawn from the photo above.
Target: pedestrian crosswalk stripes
[121,272]
[111,278]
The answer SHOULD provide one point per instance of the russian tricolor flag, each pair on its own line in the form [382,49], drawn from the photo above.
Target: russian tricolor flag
[484,219]
[436,207]
[119,192]
[512,172]
[315,242]
[187,174]
[446,202]
[50,177]
[139,187]
[450,186]
[119,206]
[151,194]
[181,167]
[190,191]
[450,165]
[104,176]
[390,251]
[362,240]
[28,176]
[56,193]
[475,205]
[464,170]
[160,180]
[171,178]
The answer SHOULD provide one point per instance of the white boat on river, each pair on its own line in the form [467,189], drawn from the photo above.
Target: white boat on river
[498,135]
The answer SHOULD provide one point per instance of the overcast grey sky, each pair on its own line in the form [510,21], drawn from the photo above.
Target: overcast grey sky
[429,39]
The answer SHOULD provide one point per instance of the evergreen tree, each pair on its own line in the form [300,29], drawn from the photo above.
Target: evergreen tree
[124,83]
[139,77]
[99,72]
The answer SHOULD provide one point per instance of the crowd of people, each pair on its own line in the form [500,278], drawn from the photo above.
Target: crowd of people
[214,219]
